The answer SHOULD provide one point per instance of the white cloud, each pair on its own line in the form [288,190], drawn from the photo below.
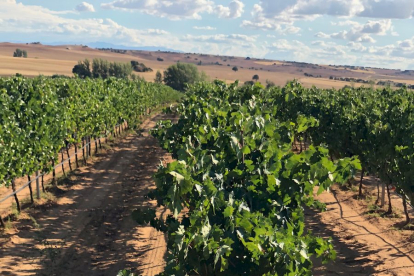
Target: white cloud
[221,38]
[178,9]
[42,22]
[85,7]
[174,10]
[327,7]
[398,9]
[280,24]
[376,27]
[234,10]
[208,28]
[272,14]
[322,35]
[360,32]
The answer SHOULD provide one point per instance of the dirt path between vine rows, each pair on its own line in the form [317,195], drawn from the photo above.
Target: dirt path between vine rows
[365,245]
[90,230]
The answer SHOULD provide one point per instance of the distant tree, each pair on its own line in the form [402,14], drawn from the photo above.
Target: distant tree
[57,76]
[179,75]
[249,83]
[160,59]
[158,77]
[82,69]
[247,58]
[140,67]
[20,53]
[269,84]
[255,77]
[235,69]
[102,69]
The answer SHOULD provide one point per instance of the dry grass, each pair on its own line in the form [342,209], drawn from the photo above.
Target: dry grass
[49,60]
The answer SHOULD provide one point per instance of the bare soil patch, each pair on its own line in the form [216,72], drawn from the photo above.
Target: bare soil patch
[90,231]
[367,243]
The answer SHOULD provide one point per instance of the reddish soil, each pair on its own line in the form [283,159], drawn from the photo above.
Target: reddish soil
[10,203]
[367,243]
[89,230]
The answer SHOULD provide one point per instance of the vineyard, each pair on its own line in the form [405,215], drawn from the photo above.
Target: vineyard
[234,196]
[39,117]
[239,183]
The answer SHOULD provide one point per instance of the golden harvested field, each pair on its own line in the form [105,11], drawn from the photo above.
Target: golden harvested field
[49,60]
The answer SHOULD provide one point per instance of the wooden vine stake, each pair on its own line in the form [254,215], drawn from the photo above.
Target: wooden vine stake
[89,146]
[70,163]
[83,150]
[43,186]
[53,172]
[63,164]
[15,195]
[360,182]
[2,222]
[37,185]
[389,200]
[407,215]
[30,189]
[76,155]
[96,146]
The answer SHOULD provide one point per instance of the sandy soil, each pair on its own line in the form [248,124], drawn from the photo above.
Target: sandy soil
[9,204]
[367,244]
[89,231]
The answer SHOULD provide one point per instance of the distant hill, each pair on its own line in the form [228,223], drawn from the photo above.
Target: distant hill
[122,47]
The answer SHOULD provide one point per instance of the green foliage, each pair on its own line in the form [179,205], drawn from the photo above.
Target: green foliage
[237,190]
[269,84]
[20,53]
[38,115]
[82,69]
[125,273]
[249,83]
[179,75]
[375,125]
[102,69]
[140,67]
[158,77]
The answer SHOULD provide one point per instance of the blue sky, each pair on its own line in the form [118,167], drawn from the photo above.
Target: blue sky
[377,33]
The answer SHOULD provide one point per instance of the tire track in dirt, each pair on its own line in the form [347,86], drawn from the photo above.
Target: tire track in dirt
[90,231]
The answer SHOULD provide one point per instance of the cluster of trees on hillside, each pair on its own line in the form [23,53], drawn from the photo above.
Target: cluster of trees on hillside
[20,53]
[102,69]
[312,76]
[352,80]
[140,67]
[113,50]
[395,84]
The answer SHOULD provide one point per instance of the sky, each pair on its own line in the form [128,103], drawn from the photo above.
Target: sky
[375,33]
